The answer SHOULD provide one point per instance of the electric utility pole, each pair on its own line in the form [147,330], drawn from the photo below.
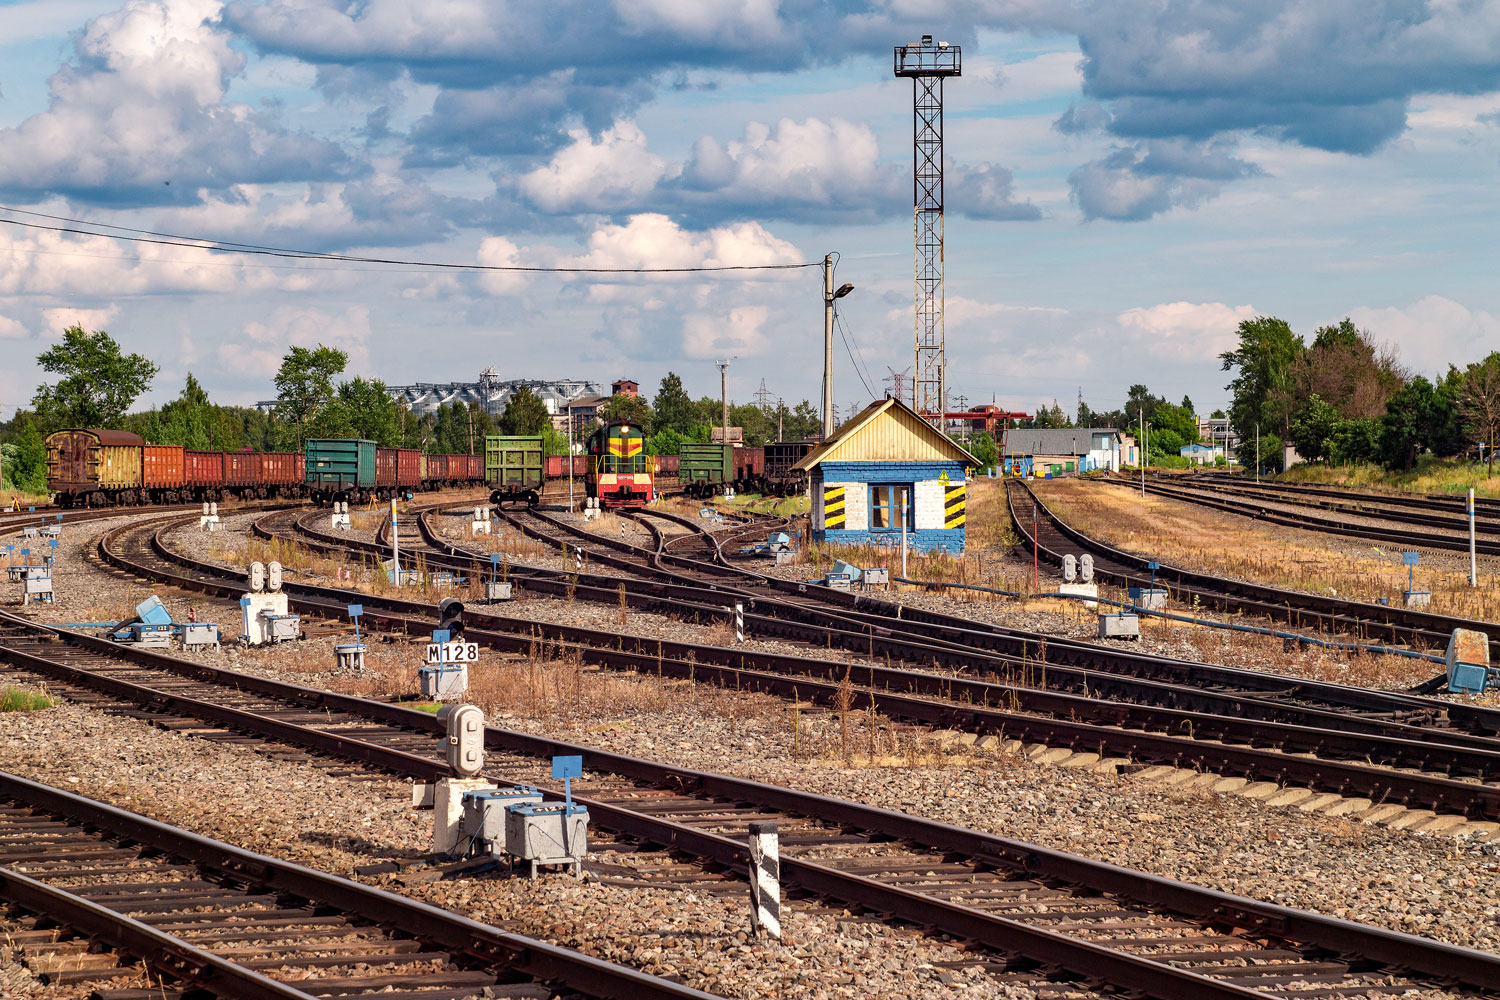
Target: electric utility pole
[724,393]
[830,296]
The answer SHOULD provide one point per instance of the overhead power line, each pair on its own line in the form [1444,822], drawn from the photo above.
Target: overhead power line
[226,246]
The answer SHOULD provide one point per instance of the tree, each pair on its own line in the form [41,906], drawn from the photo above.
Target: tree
[1480,403]
[982,446]
[98,382]
[1216,415]
[635,409]
[525,413]
[1421,417]
[1262,385]
[369,412]
[304,383]
[1139,399]
[803,422]
[1348,370]
[1314,428]
[1176,419]
[673,407]
[1187,406]
[28,468]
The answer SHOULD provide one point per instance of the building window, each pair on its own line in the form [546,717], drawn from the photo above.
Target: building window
[888,505]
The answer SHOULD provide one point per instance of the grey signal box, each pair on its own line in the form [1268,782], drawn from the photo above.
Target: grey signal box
[465,743]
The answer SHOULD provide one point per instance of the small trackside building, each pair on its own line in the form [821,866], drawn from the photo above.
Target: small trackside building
[884,462]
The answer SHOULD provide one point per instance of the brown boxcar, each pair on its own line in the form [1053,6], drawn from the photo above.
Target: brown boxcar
[301,467]
[667,464]
[437,468]
[241,468]
[557,466]
[203,469]
[161,467]
[279,468]
[385,467]
[408,467]
[475,468]
[94,465]
[749,463]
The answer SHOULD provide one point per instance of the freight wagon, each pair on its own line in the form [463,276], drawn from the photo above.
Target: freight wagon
[781,456]
[557,466]
[95,467]
[341,469]
[514,467]
[706,469]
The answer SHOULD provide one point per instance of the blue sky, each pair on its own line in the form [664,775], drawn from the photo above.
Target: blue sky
[1126,182]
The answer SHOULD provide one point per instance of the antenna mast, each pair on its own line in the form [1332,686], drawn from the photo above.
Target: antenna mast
[928,63]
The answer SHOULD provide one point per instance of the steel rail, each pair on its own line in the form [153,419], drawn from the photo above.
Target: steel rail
[1324,525]
[462,936]
[1396,624]
[1106,732]
[1441,501]
[1128,971]
[1146,704]
[1359,506]
[880,629]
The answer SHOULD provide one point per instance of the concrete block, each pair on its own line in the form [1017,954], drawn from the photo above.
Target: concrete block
[1319,802]
[1439,824]
[1468,660]
[1179,776]
[1081,760]
[448,810]
[1054,756]
[1206,779]
[1480,830]
[1156,772]
[987,743]
[1290,797]
[1378,813]
[1413,817]
[1230,784]
[1417,598]
[1347,807]
[1259,790]
[1012,747]
[1081,590]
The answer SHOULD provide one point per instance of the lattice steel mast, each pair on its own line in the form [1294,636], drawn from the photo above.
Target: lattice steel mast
[928,64]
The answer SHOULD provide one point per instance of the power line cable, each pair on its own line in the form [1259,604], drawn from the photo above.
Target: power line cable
[226,246]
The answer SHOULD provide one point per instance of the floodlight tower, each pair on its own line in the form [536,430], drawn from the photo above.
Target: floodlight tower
[928,64]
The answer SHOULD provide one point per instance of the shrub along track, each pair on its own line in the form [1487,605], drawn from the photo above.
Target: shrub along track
[1047,916]
[211,917]
[1427,760]
[1054,537]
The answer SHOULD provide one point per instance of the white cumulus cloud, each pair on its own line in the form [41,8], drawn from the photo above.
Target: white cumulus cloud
[1185,330]
[263,344]
[599,176]
[1433,332]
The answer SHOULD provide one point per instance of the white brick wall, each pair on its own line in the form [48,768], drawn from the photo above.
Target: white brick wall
[856,505]
[928,499]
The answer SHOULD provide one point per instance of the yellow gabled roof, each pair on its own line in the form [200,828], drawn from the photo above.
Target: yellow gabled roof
[886,431]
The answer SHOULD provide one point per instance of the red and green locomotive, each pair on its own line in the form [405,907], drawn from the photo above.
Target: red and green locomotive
[619,471]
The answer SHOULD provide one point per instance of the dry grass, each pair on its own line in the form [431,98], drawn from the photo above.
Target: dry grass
[1429,476]
[1290,558]
[8,498]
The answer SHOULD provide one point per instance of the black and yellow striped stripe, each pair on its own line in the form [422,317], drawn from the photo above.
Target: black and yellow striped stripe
[953,506]
[833,507]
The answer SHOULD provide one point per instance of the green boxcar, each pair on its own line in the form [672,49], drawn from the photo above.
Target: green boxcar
[514,466]
[705,464]
[339,466]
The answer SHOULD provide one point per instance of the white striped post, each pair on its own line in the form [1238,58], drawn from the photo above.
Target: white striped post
[739,622]
[578,559]
[765,880]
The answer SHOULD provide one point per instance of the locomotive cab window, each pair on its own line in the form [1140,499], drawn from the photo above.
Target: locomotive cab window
[888,504]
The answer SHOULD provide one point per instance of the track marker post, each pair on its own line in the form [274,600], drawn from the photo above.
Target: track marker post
[1473,565]
[739,621]
[765,880]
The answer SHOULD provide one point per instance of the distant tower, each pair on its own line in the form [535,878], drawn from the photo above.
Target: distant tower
[928,64]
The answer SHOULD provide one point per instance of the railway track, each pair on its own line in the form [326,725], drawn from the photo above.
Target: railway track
[1419,629]
[1230,500]
[1036,916]
[1388,747]
[1447,502]
[209,917]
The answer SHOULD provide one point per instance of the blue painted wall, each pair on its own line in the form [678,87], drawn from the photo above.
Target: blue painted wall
[925,540]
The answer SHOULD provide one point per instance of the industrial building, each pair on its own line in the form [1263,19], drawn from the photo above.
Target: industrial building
[490,392]
[885,474]
[1067,449]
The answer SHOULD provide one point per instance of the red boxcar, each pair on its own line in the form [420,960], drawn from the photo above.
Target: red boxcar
[279,468]
[557,467]
[398,467]
[161,467]
[476,468]
[203,468]
[241,468]
[301,466]
[749,462]
[667,464]
[437,467]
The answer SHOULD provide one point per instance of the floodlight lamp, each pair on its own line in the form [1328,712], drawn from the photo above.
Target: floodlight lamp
[844,289]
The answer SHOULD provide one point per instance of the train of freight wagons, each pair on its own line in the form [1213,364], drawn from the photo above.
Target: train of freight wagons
[101,468]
